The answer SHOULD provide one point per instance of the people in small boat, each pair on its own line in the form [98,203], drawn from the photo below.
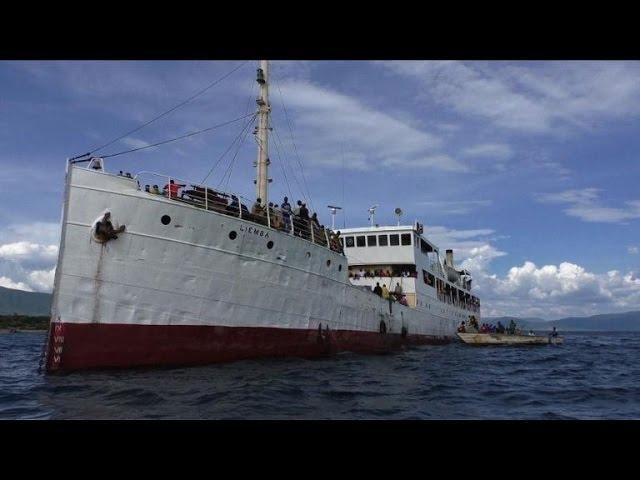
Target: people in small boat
[500,328]
[155,190]
[531,334]
[462,328]
[104,228]
[554,333]
[377,289]
[512,327]
[147,189]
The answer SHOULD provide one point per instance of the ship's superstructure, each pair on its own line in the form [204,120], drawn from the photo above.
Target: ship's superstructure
[393,256]
[196,275]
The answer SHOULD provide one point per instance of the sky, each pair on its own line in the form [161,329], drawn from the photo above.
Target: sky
[528,170]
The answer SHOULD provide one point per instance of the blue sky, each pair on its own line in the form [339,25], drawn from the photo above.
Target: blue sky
[529,170]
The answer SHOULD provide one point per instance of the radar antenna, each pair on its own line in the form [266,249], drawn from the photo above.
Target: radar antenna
[333,211]
[372,213]
[398,212]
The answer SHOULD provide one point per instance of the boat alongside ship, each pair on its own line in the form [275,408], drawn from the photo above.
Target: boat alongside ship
[508,339]
[196,278]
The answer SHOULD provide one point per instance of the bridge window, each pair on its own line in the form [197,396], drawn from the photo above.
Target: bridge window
[383,240]
[371,240]
[394,240]
[349,242]
[425,247]
[360,241]
[406,239]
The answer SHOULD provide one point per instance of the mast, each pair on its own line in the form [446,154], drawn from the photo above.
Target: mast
[262,164]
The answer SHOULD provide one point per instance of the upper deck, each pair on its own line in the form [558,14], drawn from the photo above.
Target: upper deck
[392,245]
[401,254]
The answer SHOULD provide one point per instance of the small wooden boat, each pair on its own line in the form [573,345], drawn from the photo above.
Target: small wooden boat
[508,339]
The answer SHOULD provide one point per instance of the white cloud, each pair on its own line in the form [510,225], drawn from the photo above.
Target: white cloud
[455,207]
[548,291]
[585,205]
[8,283]
[496,151]
[633,250]
[42,280]
[28,250]
[472,248]
[136,143]
[565,289]
[28,254]
[527,96]
[326,120]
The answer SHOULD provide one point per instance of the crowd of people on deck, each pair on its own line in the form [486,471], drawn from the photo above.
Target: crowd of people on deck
[397,295]
[295,220]
[372,273]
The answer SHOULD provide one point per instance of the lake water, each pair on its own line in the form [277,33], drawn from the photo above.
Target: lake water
[591,376]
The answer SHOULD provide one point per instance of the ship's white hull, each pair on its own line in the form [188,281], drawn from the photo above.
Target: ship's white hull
[187,292]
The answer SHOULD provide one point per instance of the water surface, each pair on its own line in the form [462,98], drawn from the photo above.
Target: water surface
[591,376]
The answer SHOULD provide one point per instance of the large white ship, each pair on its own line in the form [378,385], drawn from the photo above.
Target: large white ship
[196,278]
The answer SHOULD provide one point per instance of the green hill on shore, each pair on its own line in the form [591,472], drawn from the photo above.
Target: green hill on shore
[19,302]
[23,322]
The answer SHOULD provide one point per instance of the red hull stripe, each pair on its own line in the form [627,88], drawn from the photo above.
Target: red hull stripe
[75,346]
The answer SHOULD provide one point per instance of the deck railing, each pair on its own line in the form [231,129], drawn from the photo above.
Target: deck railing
[203,196]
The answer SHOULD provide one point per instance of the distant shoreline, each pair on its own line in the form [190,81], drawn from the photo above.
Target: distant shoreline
[23,323]
[21,330]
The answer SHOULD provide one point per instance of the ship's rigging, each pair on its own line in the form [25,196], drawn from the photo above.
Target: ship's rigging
[265,125]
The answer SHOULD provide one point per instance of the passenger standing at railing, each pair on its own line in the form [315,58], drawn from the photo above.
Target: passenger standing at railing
[398,291]
[304,219]
[315,225]
[334,239]
[173,188]
[286,214]
[155,190]
[257,208]
[314,220]
[385,291]
[295,218]
[276,217]
[234,206]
